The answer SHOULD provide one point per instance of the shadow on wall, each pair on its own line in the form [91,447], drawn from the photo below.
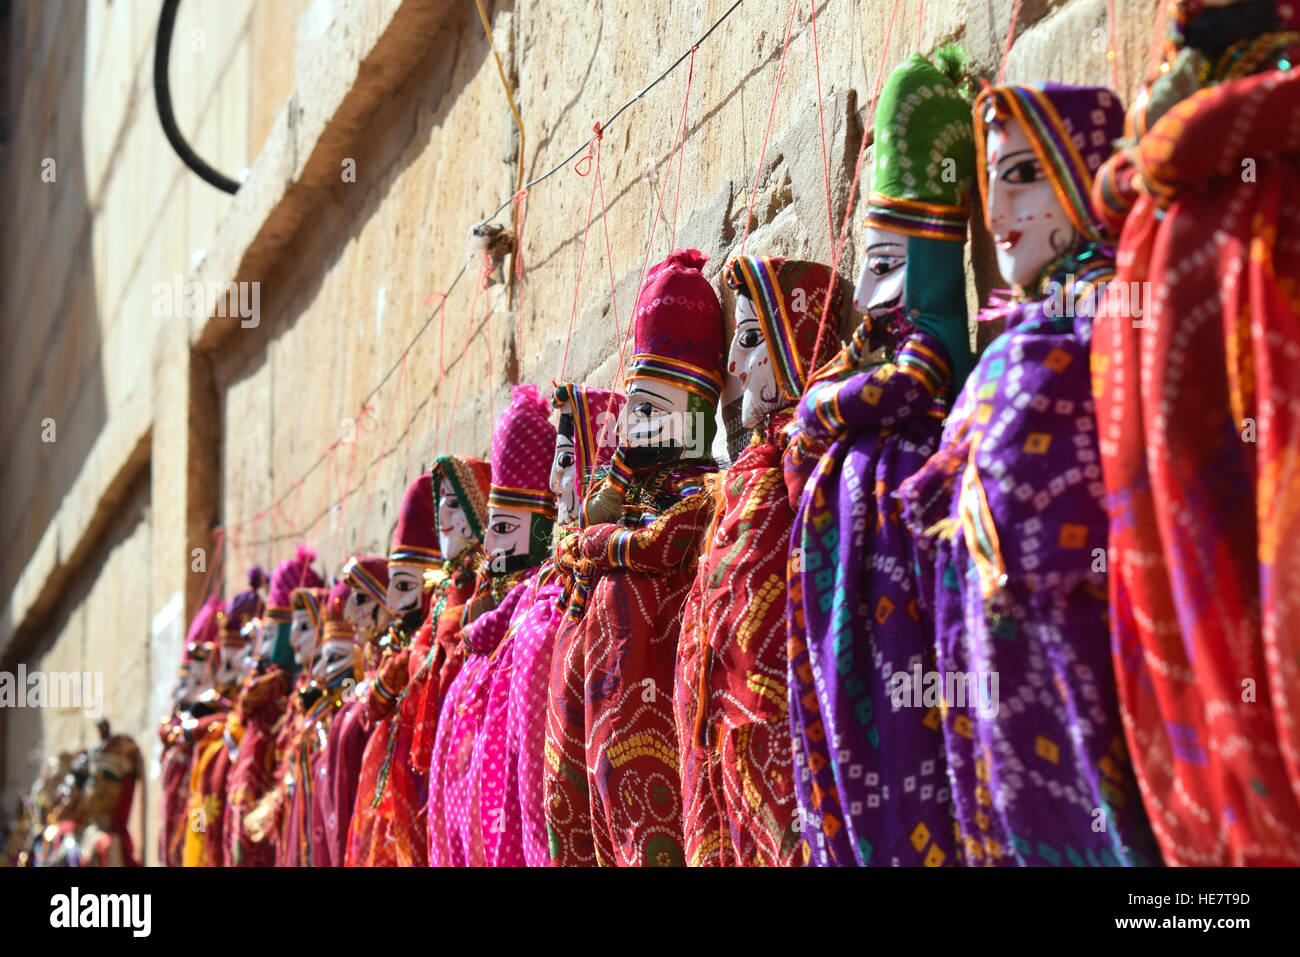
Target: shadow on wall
[52,390]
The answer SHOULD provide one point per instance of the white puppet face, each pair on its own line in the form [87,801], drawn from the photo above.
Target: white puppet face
[363,613]
[337,655]
[302,637]
[188,684]
[750,361]
[229,665]
[1029,225]
[405,582]
[564,479]
[454,533]
[252,632]
[655,416]
[507,533]
[880,283]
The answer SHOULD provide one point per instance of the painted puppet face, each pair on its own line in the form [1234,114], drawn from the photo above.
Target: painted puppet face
[507,532]
[405,583]
[187,685]
[564,479]
[337,655]
[880,283]
[1028,222]
[266,641]
[655,415]
[365,614]
[302,636]
[252,633]
[454,534]
[229,663]
[751,363]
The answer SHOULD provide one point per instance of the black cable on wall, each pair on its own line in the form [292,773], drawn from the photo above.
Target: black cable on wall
[163,97]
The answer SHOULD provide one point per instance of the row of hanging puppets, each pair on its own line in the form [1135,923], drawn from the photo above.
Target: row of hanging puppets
[1033,608]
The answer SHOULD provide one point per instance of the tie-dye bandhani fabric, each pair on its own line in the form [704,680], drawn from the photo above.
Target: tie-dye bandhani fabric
[871,783]
[1008,515]
[174,776]
[1009,521]
[729,693]
[1197,399]
[465,773]
[388,820]
[523,444]
[613,792]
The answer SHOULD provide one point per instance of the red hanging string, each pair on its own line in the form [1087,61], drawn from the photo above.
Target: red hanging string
[749,212]
[582,252]
[383,449]
[520,207]
[362,416]
[464,360]
[442,368]
[218,540]
[235,536]
[609,252]
[821,122]
[857,173]
[1011,35]
[1113,53]
[920,23]
[678,150]
[681,154]
[405,386]
[487,335]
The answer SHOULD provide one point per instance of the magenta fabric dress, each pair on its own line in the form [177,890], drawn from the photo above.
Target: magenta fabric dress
[456,836]
[337,773]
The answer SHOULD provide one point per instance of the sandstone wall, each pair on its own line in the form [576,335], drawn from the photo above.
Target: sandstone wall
[167,426]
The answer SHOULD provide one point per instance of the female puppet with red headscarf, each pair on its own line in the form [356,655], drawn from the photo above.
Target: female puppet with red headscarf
[1198,407]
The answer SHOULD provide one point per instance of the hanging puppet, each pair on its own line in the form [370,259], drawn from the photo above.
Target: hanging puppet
[178,748]
[872,787]
[56,834]
[1194,363]
[733,727]
[1009,516]
[260,707]
[585,443]
[283,816]
[366,613]
[387,827]
[613,792]
[204,844]
[114,769]
[466,815]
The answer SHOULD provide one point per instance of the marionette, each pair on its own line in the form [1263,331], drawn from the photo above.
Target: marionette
[465,771]
[872,785]
[56,838]
[259,708]
[178,749]
[332,667]
[613,793]
[1194,366]
[114,769]
[204,844]
[35,811]
[737,767]
[388,826]
[1009,516]
[585,442]
[283,816]
[366,612]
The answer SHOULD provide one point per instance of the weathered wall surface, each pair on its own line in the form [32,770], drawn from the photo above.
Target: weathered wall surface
[166,426]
